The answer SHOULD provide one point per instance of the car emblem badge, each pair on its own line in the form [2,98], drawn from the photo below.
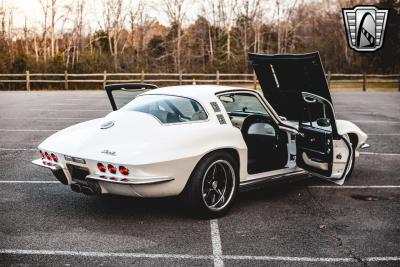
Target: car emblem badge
[108,152]
[365,27]
[107,125]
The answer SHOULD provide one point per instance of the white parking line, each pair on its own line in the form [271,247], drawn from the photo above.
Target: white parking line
[48,118]
[383,134]
[27,130]
[101,254]
[29,182]
[17,149]
[216,244]
[369,121]
[353,186]
[309,259]
[63,110]
[379,154]
[191,257]
[357,112]
[64,104]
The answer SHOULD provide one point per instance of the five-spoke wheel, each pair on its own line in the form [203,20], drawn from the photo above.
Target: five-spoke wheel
[213,185]
[218,184]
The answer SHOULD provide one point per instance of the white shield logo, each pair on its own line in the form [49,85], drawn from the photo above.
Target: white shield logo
[365,27]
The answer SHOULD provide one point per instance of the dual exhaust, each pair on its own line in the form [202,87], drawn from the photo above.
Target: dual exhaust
[90,189]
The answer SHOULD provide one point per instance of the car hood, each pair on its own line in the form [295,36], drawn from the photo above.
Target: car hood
[283,77]
[133,135]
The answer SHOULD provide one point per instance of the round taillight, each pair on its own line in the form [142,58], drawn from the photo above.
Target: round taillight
[111,168]
[101,167]
[54,157]
[123,170]
[47,155]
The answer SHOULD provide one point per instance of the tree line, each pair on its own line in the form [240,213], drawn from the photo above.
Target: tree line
[128,39]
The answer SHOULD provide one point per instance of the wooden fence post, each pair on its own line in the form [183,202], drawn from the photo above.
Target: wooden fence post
[142,76]
[66,80]
[28,81]
[217,76]
[364,82]
[254,80]
[104,79]
[180,77]
[329,79]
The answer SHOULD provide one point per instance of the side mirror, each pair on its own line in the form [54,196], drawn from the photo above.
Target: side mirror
[323,122]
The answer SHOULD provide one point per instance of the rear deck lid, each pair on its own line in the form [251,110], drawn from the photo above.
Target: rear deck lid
[283,77]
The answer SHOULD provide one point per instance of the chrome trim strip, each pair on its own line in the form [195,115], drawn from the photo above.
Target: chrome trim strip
[132,180]
[365,145]
[271,178]
[47,164]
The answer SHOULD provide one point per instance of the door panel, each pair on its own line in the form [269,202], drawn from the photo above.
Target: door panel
[320,149]
[316,146]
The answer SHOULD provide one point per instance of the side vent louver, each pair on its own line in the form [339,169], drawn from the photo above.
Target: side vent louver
[215,106]
[221,119]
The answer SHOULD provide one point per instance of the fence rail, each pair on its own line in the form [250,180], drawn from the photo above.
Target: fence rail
[177,78]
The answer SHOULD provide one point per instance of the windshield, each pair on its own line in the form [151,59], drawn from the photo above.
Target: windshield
[168,109]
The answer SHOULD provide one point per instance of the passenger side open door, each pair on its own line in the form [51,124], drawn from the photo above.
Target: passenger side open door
[122,94]
[320,149]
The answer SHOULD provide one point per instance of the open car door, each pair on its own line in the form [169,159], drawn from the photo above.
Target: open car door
[122,94]
[320,149]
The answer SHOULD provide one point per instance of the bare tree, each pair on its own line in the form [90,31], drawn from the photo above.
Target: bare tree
[113,22]
[176,12]
[226,13]
[248,10]
[53,9]
[139,22]
[45,9]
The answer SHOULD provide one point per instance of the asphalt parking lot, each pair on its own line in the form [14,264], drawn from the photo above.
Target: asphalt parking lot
[307,223]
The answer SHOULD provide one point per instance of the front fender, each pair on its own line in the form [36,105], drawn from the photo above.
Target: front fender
[347,127]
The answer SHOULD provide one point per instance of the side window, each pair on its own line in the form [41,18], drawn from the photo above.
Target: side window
[242,103]
[315,114]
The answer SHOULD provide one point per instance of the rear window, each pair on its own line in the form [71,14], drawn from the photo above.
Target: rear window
[168,109]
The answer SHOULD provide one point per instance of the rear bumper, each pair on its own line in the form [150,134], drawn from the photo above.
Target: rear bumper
[47,164]
[113,184]
[54,167]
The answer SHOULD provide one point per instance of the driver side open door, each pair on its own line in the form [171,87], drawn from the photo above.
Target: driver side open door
[320,149]
[121,94]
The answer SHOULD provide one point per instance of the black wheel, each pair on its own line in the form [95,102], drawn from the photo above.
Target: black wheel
[213,186]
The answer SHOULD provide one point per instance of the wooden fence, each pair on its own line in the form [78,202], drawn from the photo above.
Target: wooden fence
[65,79]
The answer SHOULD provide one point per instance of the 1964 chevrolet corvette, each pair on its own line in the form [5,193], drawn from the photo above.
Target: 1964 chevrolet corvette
[203,143]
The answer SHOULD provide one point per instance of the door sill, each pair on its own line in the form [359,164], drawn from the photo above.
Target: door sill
[283,175]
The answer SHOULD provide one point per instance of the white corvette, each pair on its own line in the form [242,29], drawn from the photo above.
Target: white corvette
[205,142]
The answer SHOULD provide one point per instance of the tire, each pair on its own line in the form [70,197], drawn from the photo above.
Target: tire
[212,186]
[353,159]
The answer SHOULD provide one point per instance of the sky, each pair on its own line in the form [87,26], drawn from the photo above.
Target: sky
[31,9]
